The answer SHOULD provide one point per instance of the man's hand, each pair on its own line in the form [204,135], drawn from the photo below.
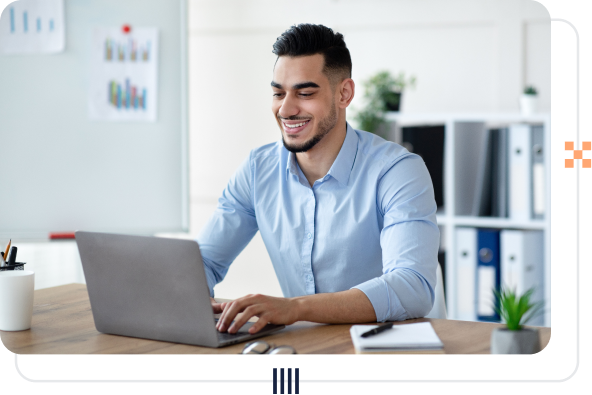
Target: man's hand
[217,307]
[269,309]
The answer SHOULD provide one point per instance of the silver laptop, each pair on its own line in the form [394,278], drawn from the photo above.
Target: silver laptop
[152,288]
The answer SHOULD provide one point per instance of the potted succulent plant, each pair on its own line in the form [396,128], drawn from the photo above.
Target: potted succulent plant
[515,311]
[382,93]
[529,100]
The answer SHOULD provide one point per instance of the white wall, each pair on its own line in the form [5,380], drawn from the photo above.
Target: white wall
[467,55]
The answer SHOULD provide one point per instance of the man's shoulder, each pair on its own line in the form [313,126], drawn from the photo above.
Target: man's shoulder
[376,150]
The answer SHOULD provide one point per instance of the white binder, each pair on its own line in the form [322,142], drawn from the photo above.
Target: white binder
[466,277]
[519,158]
[538,171]
[522,264]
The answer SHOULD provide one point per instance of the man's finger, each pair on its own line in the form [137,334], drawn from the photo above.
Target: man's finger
[260,324]
[230,312]
[245,316]
[221,318]
[217,308]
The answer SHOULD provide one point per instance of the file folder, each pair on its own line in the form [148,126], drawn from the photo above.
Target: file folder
[469,137]
[499,175]
[483,184]
[522,264]
[488,273]
[538,172]
[466,258]
[428,142]
[519,158]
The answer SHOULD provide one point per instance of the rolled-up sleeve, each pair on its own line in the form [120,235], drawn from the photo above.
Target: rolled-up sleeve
[409,240]
[230,228]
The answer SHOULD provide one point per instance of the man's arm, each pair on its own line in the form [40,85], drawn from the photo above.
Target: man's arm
[230,228]
[351,306]
[409,240]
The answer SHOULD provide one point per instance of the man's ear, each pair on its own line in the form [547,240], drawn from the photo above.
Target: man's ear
[347,89]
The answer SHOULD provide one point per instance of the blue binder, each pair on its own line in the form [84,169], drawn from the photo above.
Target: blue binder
[488,273]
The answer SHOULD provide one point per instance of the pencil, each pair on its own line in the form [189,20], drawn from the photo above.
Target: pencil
[7,249]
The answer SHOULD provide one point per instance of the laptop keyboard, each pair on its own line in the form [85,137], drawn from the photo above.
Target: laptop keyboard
[243,332]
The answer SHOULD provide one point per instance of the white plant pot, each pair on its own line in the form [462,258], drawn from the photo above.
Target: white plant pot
[523,341]
[529,104]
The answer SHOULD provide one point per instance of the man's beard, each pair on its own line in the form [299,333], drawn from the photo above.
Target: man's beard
[325,126]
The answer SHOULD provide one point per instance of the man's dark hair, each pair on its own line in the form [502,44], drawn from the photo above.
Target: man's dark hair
[307,39]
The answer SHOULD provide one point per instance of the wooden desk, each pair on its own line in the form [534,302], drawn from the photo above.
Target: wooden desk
[63,324]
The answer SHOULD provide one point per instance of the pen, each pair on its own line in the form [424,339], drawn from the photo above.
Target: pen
[2,261]
[378,329]
[7,249]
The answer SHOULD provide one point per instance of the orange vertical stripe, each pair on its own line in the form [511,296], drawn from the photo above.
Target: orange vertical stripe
[586,247]
[569,245]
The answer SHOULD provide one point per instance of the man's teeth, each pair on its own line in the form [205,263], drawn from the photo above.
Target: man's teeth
[295,125]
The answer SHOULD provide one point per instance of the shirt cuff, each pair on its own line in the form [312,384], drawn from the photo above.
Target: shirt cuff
[387,305]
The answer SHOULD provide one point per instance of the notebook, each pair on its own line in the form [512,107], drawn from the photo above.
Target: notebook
[415,338]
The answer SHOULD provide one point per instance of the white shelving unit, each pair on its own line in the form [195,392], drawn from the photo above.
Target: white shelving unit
[449,219]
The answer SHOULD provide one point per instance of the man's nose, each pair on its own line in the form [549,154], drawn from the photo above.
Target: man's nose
[289,107]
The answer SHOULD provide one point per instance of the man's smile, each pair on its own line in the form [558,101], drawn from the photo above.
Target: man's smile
[292,127]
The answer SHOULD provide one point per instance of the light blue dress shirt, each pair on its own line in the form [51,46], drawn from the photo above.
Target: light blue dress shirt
[369,224]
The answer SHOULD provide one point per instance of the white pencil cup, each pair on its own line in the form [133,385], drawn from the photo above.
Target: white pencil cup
[16,299]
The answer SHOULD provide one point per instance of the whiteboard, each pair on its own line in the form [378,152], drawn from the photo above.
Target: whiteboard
[60,171]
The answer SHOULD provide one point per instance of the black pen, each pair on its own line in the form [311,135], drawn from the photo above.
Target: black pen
[378,329]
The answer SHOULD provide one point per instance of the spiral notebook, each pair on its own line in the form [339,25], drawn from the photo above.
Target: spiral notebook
[418,338]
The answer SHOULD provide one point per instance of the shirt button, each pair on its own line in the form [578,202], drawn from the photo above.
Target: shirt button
[309,235]
[309,277]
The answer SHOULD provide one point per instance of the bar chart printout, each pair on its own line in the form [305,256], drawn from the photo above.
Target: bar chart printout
[123,83]
[131,51]
[33,26]
[128,97]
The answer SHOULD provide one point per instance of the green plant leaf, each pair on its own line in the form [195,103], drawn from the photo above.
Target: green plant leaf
[515,310]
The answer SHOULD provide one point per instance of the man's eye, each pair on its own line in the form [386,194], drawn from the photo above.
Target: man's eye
[277,94]
[306,94]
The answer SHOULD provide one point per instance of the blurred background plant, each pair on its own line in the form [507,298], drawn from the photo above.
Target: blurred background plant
[530,90]
[515,310]
[382,93]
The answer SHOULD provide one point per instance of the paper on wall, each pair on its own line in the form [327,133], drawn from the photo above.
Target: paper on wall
[33,26]
[124,73]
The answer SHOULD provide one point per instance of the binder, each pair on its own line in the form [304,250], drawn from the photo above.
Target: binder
[538,172]
[466,258]
[499,176]
[522,264]
[482,197]
[519,160]
[428,142]
[469,137]
[488,273]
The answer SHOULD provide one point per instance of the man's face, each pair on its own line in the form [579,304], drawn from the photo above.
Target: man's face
[303,101]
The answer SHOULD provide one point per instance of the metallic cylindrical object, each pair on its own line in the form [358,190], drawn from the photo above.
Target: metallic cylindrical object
[253,353]
[282,355]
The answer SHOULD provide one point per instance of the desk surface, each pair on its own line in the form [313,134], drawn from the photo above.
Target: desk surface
[63,324]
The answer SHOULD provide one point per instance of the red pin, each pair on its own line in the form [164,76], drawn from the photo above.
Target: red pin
[126,29]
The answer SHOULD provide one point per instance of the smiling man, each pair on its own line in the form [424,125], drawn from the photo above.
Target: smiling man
[348,219]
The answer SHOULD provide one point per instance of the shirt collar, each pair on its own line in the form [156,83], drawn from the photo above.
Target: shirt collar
[341,168]
[343,164]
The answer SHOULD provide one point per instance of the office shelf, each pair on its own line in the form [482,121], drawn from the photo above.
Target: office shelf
[501,223]
[453,214]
